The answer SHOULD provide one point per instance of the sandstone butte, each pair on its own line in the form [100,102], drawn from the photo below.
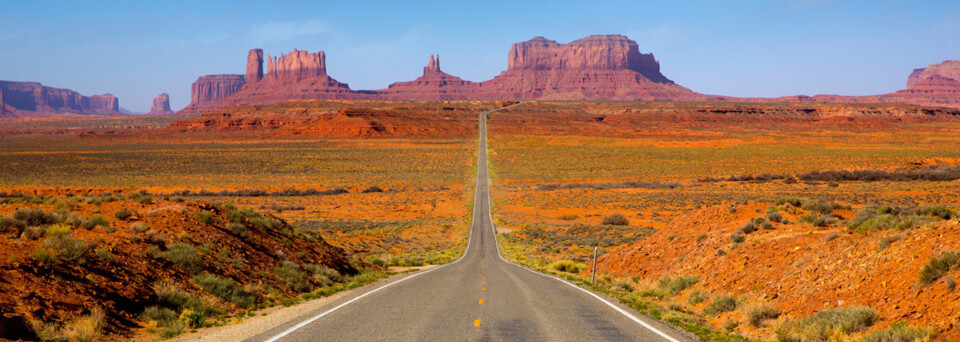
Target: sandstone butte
[161,105]
[33,99]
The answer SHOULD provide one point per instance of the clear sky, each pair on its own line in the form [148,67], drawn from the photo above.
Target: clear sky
[139,49]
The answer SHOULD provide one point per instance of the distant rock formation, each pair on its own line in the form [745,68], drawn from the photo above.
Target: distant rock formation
[946,69]
[213,88]
[21,99]
[161,105]
[432,85]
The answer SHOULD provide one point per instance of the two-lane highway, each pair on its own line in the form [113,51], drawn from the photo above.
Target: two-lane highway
[480,297]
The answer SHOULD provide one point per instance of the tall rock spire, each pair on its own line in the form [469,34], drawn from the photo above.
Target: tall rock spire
[433,66]
[254,65]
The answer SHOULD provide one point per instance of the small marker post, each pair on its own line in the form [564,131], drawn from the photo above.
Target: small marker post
[593,279]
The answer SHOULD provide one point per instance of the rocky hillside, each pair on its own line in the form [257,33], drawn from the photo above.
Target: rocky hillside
[24,99]
[107,265]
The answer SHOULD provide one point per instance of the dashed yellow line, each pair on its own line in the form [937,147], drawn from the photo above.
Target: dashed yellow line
[483,289]
[476,322]
[483,282]
[481,301]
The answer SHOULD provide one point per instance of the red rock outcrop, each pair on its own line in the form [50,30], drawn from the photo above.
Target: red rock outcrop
[946,69]
[34,99]
[254,65]
[432,85]
[161,105]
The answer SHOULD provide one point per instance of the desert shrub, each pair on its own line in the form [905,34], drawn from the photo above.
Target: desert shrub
[830,237]
[35,217]
[737,238]
[747,228]
[68,248]
[12,225]
[761,313]
[263,222]
[818,206]
[56,230]
[794,201]
[239,229]
[170,295]
[44,257]
[885,242]
[940,212]
[184,255]
[722,304]
[226,289]
[123,214]
[701,237]
[826,323]
[83,328]
[324,271]
[568,217]
[98,220]
[74,220]
[33,233]
[824,221]
[205,217]
[567,266]
[615,219]
[139,227]
[163,316]
[104,255]
[774,216]
[294,278]
[678,284]
[283,207]
[696,297]
[623,286]
[238,215]
[901,332]
[939,266]
[371,189]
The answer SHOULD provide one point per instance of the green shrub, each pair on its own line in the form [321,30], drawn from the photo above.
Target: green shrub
[35,217]
[747,228]
[696,297]
[794,201]
[104,255]
[239,229]
[12,225]
[826,323]
[170,295]
[44,257]
[678,284]
[885,242]
[56,230]
[615,219]
[824,221]
[263,222]
[737,238]
[940,212]
[569,217]
[722,304]
[184,255]
[295,279]
[322,275]
[939,266]
[98,220]
[172,330]
[901,332]
[139,227]
[818,206]
[163,316]
[68,248]
[75,220]
[238,215]
[757,315]
[205,217]
[226,289]
[123,214]
[567,266]
[34,233]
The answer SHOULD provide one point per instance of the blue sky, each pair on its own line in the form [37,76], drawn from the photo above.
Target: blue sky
[137,49]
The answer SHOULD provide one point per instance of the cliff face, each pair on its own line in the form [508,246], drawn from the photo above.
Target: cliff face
[432,85]
[34,99]
[161,105]
[213,88]
[606,52]
[946,69]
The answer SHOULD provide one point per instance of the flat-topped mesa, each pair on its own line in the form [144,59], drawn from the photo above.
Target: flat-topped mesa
[433,66]
[947,69]
[35,99]
[254,65]
[213,88]
[598,52]
[296,66]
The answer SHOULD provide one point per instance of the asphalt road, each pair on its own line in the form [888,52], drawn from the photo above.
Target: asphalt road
[480,297]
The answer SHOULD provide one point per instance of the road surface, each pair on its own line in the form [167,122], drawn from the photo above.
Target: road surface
[480,297]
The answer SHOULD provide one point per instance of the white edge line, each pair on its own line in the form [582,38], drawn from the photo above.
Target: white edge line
[594,295]
[473,219]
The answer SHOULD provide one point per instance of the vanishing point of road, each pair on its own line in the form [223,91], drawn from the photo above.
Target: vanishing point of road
[479,297]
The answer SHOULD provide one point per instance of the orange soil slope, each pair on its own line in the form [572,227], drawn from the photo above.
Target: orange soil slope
[801,268]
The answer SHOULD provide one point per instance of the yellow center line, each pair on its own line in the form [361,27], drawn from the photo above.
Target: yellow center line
[483,289]
[481,301]
[476,322]
[484,282]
